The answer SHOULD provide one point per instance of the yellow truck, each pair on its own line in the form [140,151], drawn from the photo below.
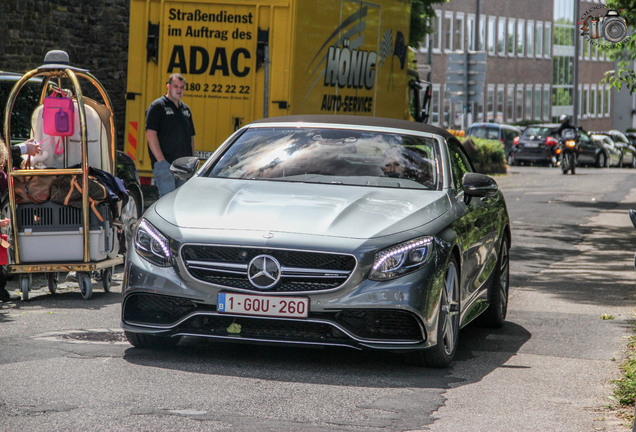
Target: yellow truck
[248,59]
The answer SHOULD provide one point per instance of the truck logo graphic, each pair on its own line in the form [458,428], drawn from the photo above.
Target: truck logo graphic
[350,67]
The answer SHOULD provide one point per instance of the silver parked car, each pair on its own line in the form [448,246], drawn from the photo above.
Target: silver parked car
[342,231]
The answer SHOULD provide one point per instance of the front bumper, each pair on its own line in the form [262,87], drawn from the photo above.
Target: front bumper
[397,315]
[354,328]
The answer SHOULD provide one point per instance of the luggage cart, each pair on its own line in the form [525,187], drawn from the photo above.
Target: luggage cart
[52,238]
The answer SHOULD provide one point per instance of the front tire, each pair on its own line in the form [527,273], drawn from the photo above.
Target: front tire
[601,160]
[131,213]
[495,315]
[443,353]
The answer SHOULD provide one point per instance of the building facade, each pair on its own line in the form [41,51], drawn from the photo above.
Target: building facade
[531,67]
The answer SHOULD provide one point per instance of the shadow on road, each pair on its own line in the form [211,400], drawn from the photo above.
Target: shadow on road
[329,366]
[595,266]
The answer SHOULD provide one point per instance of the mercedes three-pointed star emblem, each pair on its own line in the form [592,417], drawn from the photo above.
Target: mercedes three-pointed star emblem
[264,271]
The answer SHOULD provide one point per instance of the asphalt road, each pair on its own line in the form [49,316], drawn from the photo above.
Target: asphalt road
[64,364]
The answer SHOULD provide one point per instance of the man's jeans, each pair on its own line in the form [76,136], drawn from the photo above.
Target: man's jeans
[164,179]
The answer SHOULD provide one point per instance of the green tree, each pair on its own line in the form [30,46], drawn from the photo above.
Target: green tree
[421,14]
[625,51]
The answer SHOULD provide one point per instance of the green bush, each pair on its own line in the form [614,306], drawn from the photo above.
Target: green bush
[487,155]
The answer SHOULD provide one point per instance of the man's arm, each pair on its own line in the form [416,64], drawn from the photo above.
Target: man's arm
[193,145]
[153,143]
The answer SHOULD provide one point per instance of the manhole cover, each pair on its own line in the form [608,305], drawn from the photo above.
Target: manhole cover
[104,336]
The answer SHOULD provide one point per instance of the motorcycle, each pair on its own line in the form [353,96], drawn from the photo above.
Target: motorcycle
[567,150]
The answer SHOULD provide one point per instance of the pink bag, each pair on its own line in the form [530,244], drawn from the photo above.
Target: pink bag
[58,116]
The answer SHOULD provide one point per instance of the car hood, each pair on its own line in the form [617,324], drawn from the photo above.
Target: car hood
[315,209]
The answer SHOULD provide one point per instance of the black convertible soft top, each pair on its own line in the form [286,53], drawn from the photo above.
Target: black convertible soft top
[359,120]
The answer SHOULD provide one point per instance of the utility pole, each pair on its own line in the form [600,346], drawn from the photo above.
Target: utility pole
[575,65]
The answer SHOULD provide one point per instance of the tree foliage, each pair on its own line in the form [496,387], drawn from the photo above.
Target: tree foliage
[625,51]
[421,13]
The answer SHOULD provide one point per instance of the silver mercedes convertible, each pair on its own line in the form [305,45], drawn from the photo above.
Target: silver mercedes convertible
[355,232]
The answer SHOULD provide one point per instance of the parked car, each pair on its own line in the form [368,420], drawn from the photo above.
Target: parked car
[622,142]
[496,131]
[591,152]
[614,156]
[538,144]
[355,232]
[631,136]
[26,101]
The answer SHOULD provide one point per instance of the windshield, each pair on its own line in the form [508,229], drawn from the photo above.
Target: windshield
[485,132]
[536,132]
[335,156]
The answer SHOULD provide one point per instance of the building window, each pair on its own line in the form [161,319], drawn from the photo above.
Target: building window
[500,103]
[481,34]
[510,37]
[435,100]
[593,101]
[501,36]
[491,35]
[437,34]
[447,29]
[528,102]
[530,38]
[521,32]
[470,32]
[584,102]
[519,102]
[547,40]
[446,118]
[490,103]
[458,34]
[537,102]
[546,101]
[478,109]
[579,110]
[510,103]
[606,102]
[539,39]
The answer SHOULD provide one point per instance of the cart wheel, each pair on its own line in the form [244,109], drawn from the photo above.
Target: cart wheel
[107,278]
[85,284]
[52,279]
[25,282]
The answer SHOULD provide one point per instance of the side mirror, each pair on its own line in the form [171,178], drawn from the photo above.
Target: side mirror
[184,167]
[479,185]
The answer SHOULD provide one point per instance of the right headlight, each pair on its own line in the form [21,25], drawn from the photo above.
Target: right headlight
[401,259]
[151,244]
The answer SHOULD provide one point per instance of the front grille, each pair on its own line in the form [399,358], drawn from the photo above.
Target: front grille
[301,271]
[155,309]
[387,326]
[264,329]
[380,324]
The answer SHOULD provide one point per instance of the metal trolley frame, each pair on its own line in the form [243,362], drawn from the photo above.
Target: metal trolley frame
[86,267]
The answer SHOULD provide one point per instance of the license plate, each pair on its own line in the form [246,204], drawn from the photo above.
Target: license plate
[532,144]
[245,304]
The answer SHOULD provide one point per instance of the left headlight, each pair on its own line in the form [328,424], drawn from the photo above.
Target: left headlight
[401,259]
[151,244]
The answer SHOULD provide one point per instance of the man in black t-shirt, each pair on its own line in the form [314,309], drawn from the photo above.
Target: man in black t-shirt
[170,133]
